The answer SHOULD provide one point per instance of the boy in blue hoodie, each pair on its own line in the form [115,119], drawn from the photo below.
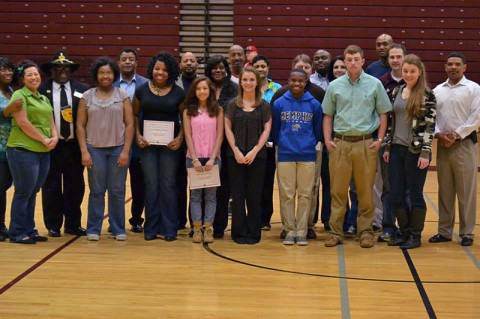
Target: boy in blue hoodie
[296,129]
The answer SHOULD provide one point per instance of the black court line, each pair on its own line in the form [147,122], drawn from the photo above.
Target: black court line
[213,252]
[42,261]
[418,283]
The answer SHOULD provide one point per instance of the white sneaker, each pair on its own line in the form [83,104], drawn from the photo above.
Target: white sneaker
[121,237]
[93,237]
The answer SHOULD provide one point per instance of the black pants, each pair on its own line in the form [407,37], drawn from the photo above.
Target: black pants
[5,183]
[182,190]
[66,165]
[137,186]
[267,194]
[223,195]
[246,185]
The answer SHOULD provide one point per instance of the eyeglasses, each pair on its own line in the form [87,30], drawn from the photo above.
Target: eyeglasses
[6,70]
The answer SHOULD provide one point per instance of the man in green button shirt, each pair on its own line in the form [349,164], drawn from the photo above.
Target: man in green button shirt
[354,107]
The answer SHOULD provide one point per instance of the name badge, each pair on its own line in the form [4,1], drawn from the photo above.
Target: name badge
[77,94]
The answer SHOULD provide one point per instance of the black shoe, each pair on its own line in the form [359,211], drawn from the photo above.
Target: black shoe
[438,239]
[54,233]
[3,237]
[150,237]
[79,231]
[466,241]
[327,227]
[311,234]
[283,234]
[137,228]
[170,238]
[40,238]
[240,241]
[217,235]
[386,237]
[351,232]
[252,241]
[25,241]
[413,241]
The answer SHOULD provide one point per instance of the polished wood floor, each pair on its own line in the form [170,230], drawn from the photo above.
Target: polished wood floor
[70,277]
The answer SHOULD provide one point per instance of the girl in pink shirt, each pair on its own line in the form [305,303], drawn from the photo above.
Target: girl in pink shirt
[203,126]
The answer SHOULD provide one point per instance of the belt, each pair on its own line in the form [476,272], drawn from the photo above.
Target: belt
[356,138]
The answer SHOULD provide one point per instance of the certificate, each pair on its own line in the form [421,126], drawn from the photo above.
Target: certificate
[158,132]
[204,179]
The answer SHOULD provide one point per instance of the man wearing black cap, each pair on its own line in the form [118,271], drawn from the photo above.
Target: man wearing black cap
[65,159]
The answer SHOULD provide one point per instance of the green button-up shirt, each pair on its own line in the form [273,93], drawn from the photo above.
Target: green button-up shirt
[39,113]
[355,106]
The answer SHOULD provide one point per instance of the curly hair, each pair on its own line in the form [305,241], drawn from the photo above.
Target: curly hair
[212,62]
[171,66]
[190,103]
[103,61]
[7,64]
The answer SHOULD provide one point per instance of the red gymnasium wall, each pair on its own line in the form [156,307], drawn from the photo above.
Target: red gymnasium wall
[279,29]
[429,28]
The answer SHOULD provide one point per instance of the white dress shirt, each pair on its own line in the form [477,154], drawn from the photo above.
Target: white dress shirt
[56,106]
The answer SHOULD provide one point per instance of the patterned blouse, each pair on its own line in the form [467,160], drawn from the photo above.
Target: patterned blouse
[5,126]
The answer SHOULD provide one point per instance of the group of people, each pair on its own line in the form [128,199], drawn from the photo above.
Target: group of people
[368,133]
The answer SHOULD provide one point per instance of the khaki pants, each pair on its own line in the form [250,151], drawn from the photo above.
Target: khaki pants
[457,177]
[352,158]
[295,179]
[316,187]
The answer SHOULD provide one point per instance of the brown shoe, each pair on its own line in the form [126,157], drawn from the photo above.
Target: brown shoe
[333,241]
[208,233]
[197,232]
[366,242]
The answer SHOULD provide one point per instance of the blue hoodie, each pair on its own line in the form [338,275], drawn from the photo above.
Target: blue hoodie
[297,127]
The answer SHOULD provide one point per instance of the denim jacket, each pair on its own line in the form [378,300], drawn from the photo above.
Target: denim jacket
[423,125]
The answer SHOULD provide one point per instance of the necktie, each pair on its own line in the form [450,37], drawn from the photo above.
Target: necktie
[64,125]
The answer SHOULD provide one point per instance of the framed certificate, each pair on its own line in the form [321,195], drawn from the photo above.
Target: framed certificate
[204,179]
[158,132]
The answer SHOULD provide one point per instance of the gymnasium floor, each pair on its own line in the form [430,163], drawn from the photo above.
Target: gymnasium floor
[70,277]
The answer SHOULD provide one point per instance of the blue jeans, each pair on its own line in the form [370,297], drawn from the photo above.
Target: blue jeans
[404,176]
[160,165]
[29,171]
[106,175]
[196,197]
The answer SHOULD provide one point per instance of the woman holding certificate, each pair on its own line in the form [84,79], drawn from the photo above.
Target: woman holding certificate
[203,127]
[105,131]
[247,126]
[159,135]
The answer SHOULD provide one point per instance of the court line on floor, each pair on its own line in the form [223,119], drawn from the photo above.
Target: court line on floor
[43,261]
[37,265]
[418,283]
[457,237]
[344,296]
[217,254]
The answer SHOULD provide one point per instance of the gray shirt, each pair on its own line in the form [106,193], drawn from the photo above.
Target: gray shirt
[403,127]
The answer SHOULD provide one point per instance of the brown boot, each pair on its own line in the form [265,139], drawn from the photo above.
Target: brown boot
[197,232]
[208,233]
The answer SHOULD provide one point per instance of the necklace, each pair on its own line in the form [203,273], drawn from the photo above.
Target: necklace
[159,90]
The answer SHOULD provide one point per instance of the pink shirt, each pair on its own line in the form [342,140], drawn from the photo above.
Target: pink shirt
[204,134]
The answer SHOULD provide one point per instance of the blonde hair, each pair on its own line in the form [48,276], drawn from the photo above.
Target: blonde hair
[417,93]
